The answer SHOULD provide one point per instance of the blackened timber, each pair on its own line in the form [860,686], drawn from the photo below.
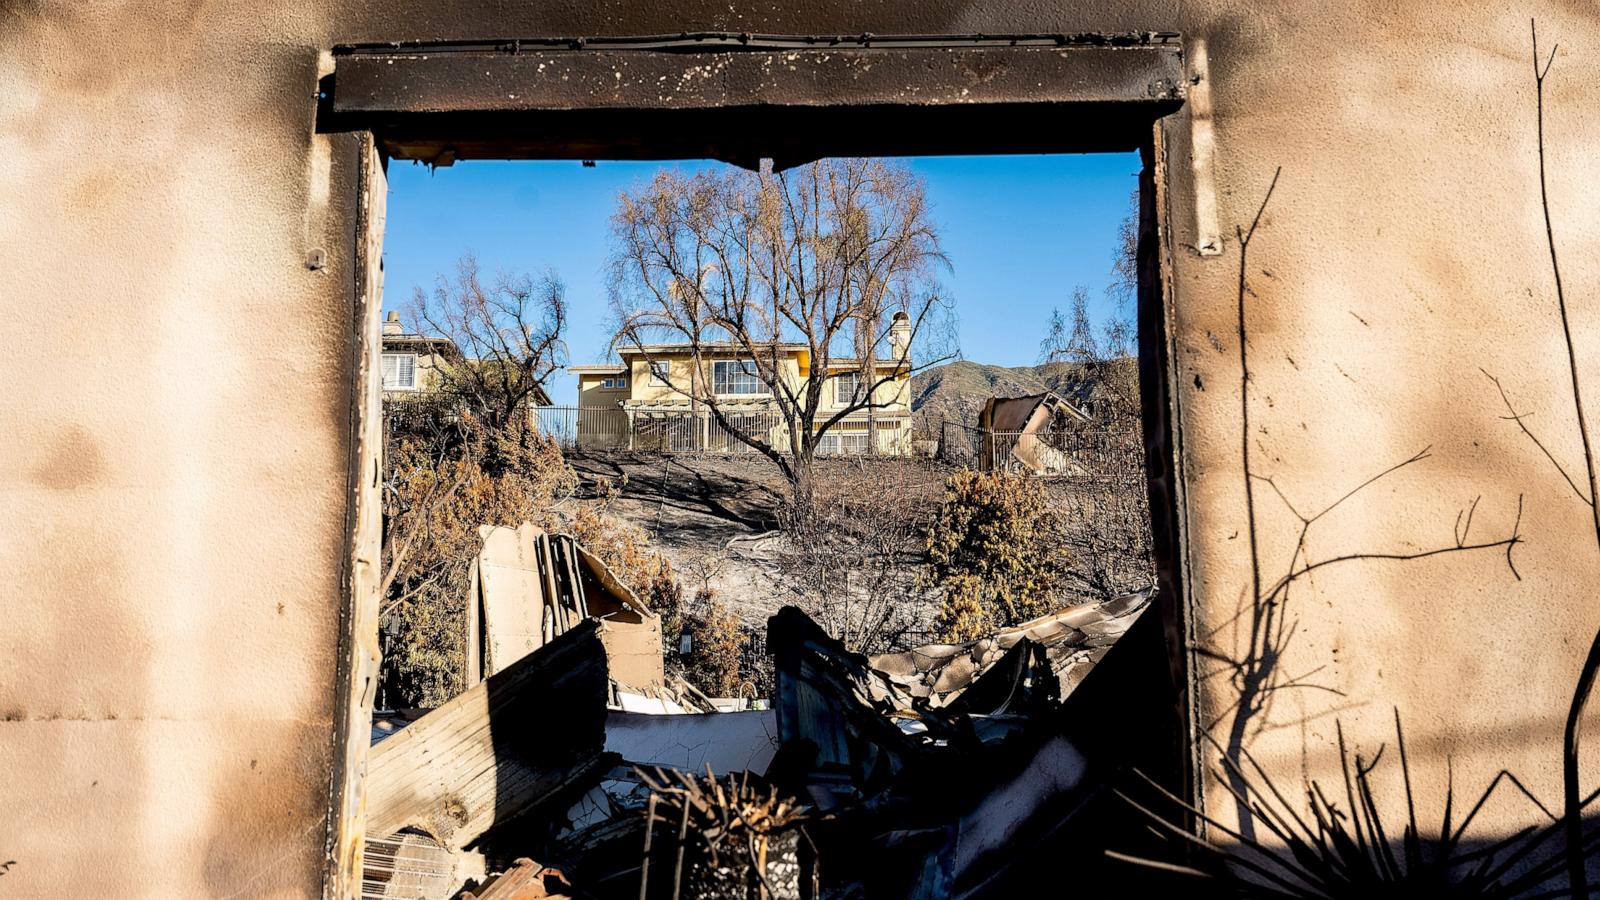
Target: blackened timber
[789,105]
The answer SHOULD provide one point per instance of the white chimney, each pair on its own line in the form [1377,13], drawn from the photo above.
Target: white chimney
[391,324]
[900,337]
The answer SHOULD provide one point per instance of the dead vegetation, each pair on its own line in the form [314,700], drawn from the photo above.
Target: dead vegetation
[993,554]
[856,561]
[444,477]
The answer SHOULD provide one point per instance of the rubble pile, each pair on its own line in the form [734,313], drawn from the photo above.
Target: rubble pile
[936,772]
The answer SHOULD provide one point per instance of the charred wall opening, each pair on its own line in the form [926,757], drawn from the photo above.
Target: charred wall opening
[746,99]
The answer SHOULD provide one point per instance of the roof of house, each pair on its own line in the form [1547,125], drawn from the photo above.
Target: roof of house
[417,340]
[598,369]
[713,346]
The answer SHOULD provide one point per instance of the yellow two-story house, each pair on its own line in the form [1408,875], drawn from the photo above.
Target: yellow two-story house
[414,363]
[655,398]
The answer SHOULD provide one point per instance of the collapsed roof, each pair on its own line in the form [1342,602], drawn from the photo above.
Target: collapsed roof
[1072,640]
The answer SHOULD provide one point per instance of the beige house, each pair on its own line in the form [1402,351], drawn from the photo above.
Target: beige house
[656,398]
[412,363]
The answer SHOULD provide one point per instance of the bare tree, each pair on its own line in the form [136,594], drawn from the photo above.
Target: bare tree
[1077,343]
[508,337]
[461,454]
[741,268]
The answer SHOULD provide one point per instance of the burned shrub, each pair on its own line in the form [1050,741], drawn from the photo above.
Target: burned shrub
[442,481]
[994,554]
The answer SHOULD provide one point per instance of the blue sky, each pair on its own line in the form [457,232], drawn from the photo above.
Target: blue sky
[1020,231]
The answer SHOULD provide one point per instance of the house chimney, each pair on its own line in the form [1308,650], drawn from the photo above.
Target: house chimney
[391,324]
[900,336]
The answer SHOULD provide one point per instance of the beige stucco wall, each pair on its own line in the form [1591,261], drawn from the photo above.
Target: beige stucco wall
[593,392]
[175,527]
[642,388]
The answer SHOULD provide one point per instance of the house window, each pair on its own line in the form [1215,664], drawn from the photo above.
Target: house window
[736,376]
[399,371]
[614,383]
[848,388]
[842,443]
[660,373]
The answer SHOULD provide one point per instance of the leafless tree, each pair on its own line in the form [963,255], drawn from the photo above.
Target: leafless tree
[507,334]
[738,266]
[1077,343]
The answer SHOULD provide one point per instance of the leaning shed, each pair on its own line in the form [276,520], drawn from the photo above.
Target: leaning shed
[191,224]
[1017,433]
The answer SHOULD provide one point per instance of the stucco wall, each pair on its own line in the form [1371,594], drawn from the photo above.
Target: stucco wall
[176,440]
[592,391]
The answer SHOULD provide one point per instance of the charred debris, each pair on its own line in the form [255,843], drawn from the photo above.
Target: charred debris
[571,768]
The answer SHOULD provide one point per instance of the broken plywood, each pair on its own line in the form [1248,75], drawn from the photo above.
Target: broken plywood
[527,587]
[499,749]
[505,600]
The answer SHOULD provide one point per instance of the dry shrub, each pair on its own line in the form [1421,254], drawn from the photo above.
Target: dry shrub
[855,559]
[441,486]
[994,554]
[718,640]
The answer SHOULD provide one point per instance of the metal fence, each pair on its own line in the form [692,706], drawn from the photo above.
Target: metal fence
[614,428]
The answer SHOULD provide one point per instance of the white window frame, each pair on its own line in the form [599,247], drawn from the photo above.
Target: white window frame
[844,443]
[394,383]
[840,398]
[747,369]
[662,378]
[614,383]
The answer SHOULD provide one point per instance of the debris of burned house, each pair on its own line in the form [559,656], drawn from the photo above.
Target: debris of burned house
[938,777]
[1072,641]
[734,836]
[527,587]
[567,696]
[689,835]
[408,865]
[938,763]
[524,880]
[520,738]
[1024,434]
